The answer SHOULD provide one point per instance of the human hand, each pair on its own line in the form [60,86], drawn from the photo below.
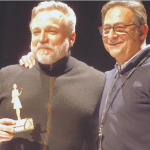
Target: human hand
[6,126]
[27,60]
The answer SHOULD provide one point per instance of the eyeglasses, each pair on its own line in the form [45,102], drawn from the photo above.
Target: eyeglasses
[118,29]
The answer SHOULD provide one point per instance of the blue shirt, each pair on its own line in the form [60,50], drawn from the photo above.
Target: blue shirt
[127,124]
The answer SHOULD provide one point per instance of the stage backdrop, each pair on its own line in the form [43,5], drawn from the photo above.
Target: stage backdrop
[15,35]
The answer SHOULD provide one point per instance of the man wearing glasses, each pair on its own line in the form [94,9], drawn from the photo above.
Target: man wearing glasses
[125,106]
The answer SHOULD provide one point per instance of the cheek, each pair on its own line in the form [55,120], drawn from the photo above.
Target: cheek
[105,44]
[56,40]
[34,42]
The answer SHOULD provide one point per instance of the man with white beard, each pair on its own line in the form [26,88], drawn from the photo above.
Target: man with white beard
[61,94]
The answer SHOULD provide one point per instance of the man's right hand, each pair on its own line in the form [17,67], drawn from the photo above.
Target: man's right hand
[6,126]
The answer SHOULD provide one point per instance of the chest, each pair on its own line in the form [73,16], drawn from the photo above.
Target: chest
[129,97]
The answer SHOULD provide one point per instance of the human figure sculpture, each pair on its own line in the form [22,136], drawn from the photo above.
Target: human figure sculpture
[16,101]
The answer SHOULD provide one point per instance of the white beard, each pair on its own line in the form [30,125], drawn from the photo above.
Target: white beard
[51,54]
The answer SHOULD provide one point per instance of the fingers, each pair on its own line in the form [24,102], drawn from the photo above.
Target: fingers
[4,136]
[6,126]
[24,61]
[21,62]
[31,59]
[7,121]
[27,60]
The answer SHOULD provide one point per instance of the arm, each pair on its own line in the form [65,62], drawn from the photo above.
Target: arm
[27,60]
[20,92]
[6,126]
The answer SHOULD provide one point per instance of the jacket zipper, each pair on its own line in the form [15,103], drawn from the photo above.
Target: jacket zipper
[49,113]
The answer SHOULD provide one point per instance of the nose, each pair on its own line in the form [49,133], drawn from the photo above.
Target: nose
[43,37]
[112,34]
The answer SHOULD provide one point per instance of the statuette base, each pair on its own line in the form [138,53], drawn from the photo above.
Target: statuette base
[23,125]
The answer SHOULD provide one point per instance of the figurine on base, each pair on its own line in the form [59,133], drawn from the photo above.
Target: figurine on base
[21,124]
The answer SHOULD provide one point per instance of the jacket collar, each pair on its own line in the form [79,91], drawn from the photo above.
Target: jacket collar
[136,60]
[56,69]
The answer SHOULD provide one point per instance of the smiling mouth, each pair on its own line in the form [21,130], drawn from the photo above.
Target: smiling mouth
[43,48]
[115,44]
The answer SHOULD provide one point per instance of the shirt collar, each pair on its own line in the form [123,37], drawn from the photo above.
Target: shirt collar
[120,67]
[139,58]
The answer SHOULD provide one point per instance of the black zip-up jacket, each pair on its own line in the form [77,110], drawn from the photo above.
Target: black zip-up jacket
[63,99]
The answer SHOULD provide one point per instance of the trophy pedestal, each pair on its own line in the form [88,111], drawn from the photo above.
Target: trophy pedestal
[23,125]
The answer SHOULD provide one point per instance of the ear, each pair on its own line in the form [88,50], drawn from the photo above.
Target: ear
[143,31]
[72,39]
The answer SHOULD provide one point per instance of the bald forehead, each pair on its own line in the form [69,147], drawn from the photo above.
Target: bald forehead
[53,13]
[118,14]
[46,17]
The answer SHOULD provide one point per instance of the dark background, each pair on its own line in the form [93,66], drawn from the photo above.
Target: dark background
[15,35]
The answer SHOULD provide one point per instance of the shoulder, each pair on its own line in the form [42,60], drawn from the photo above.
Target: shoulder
[12,70]
[88,73]
[83,67]
[9,73]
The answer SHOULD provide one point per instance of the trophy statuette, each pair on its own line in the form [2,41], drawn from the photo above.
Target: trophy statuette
[21,124]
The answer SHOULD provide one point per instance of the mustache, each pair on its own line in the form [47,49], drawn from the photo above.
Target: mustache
[45,45]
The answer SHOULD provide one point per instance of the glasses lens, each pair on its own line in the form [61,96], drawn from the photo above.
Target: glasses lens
[101,30]
[120,29]
[106,30]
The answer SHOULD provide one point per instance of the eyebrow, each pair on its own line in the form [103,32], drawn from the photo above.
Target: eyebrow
[52,26]
[47,27]
[114,23]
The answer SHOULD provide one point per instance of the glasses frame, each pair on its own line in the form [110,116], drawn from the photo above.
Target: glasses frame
[101,27]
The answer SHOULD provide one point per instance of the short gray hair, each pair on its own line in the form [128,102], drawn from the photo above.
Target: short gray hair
[69,15]
[140,14]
